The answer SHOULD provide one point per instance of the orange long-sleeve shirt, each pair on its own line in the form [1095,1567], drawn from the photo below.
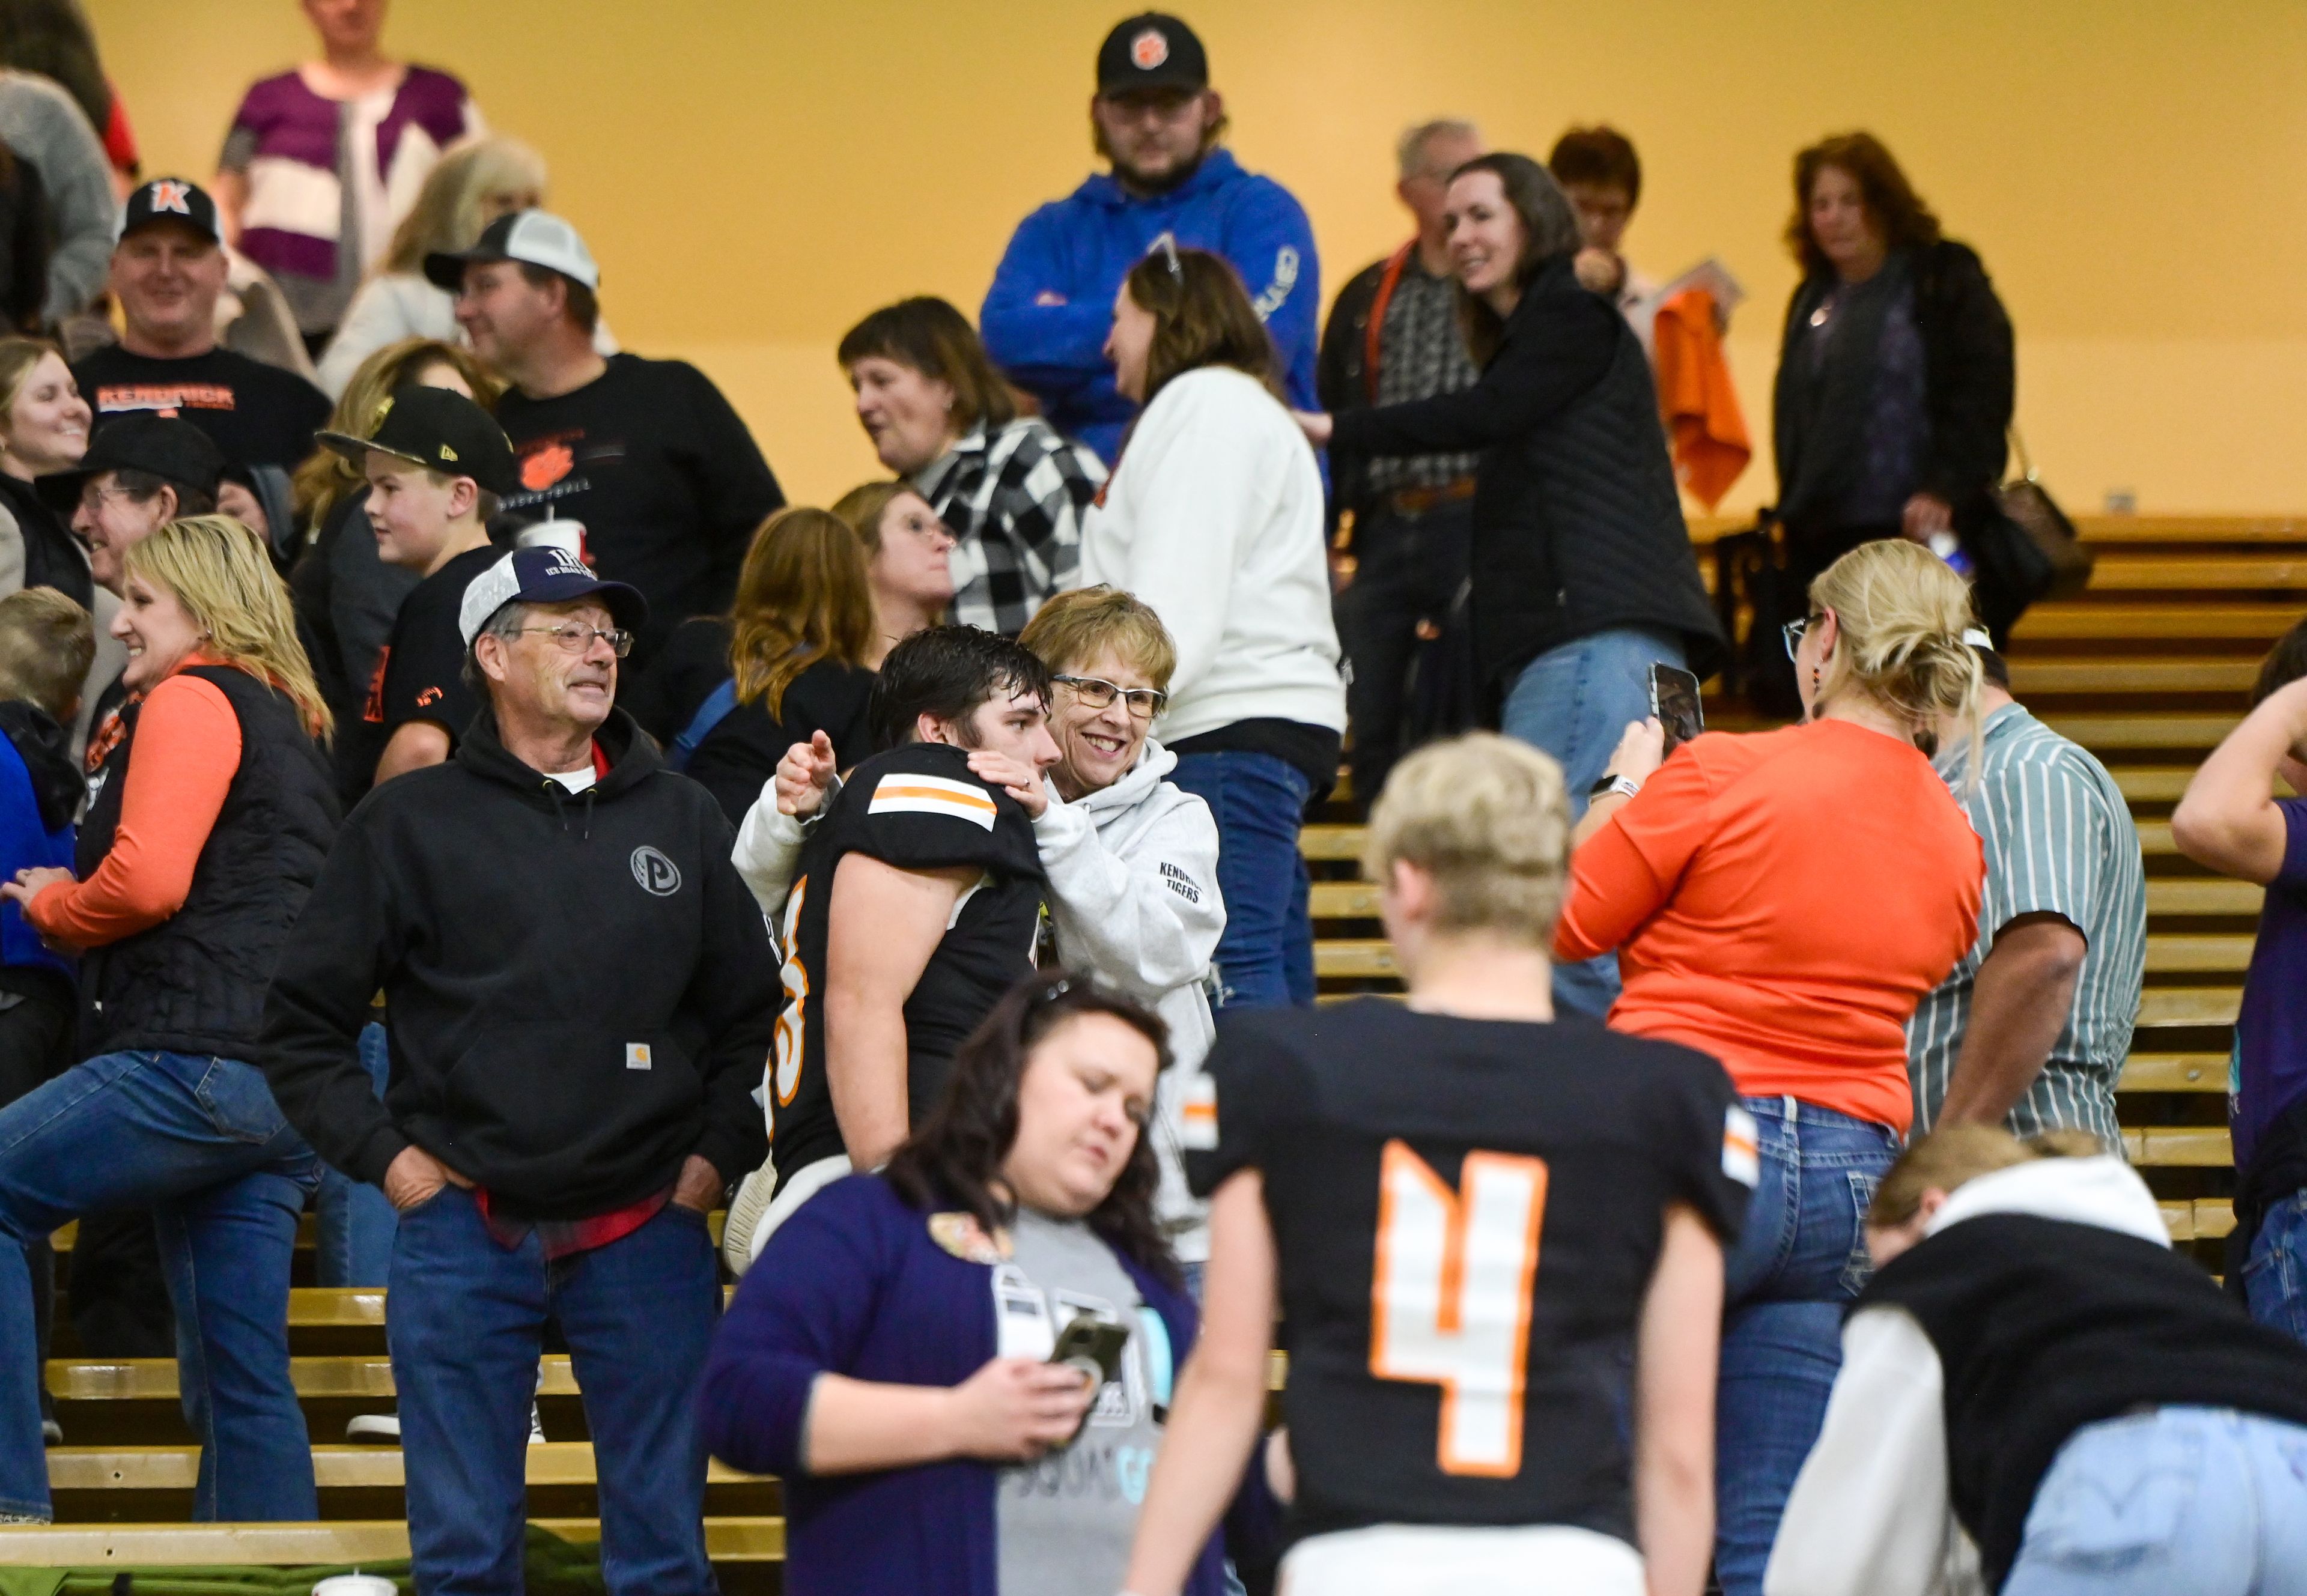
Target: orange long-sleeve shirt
[180,766]
[1783,900]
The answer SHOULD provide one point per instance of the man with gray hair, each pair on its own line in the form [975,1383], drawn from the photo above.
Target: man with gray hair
[1392,336]
[580,997]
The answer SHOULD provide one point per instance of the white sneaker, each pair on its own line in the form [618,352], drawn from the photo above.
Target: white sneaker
[746,1210]
[535,1424]
[383,1428]
[52,1434]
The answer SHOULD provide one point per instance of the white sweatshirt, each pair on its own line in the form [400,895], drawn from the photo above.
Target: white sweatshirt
[1214,517]
[1133,880]
[1870,1515]
[1133,894]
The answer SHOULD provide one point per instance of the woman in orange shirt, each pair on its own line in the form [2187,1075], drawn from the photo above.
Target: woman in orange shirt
[206,826]
[1783,900]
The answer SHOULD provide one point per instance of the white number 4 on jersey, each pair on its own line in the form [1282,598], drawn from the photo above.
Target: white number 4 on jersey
[1450,1296]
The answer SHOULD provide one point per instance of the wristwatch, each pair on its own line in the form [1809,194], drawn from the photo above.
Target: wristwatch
[1624,787]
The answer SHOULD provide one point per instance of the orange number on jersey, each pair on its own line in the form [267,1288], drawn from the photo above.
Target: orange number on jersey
[792,1022]
[1450,1296]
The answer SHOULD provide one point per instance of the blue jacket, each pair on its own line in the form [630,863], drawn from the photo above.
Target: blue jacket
[855,1284]
[28,841]
[1077,250]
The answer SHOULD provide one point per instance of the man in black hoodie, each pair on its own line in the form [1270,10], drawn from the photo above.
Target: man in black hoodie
[582,996]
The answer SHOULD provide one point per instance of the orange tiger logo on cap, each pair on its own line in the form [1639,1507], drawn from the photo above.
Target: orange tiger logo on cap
[1149,49]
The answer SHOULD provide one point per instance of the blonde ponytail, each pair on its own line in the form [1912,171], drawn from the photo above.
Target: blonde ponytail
[1900,612]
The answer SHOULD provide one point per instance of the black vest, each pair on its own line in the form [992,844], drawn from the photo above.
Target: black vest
[1578,527]
[194,984]
[2044,1326]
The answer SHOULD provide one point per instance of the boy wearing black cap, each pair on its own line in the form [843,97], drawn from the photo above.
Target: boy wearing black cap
[1155,118]
[436,467]
[167,271]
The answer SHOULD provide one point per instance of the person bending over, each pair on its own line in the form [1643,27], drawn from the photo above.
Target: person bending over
[2036,1390]
[917,905]
[1472,1211]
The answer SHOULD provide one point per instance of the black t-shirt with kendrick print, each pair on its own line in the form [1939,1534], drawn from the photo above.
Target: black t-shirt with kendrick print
[255,414]
[1467,1215]
[668,482]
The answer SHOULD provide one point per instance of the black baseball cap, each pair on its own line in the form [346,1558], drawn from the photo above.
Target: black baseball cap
[178,200]
[1152,50]
[175,451]
[537,237]
[438,429]
[547,574]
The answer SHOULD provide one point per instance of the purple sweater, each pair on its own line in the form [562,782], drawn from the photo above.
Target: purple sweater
[854,1285]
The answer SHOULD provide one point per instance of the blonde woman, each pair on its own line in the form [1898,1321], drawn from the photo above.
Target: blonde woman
[908,561]
[1783,900]
[1470,1210]
[210,823]
[473,185]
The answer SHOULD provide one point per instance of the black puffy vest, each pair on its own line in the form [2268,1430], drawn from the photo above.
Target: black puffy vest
[194,984]
[1578,527]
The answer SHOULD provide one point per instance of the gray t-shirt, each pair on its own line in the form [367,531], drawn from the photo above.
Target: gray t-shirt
[1063,1525]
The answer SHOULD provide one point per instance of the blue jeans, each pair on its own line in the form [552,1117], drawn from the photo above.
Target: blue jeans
[2178,1502]
[1798,1263]
[2275,1274]
[355,1221]
[1265,957]
[1574,702]
[467,1327]
[201,1142]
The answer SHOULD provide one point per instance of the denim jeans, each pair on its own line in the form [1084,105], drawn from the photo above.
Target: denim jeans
[467,1327]
[1799,1262]
[2275,1274]
[2178,1502]
[1574,702]
[199,1141]
[1265,957]
[355,1221]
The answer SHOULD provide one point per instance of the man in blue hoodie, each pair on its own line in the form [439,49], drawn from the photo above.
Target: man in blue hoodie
[1156,119]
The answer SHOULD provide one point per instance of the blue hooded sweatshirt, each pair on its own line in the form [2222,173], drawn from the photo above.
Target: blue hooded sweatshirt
[1052,304]
[39,787]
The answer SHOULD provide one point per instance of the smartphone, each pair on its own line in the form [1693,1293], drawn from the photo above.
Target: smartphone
[1092,1345]
[1674,699]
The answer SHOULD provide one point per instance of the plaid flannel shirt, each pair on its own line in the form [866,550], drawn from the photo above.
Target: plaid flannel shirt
[1015,500]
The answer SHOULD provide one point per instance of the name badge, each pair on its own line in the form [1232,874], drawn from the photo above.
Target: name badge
[1021,1316]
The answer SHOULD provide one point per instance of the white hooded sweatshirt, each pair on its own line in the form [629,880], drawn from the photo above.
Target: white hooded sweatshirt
[1871,1515]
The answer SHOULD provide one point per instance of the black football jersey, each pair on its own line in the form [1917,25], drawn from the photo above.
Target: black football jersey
[918,808]
[1467,1215]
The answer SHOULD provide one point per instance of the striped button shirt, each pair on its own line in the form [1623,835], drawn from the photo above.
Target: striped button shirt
[2059,840]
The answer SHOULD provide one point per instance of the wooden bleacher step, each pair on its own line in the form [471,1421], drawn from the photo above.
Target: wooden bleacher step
[727,1542]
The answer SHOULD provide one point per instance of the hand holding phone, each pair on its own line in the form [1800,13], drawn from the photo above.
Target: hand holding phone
[1673,700]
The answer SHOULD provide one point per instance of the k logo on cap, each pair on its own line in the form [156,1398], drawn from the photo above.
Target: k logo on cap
[1149,49]
[168,194]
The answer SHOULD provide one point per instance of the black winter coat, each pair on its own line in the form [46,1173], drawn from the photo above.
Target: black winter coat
[1578,527]
[581,986]
[195,982]
[1969,376]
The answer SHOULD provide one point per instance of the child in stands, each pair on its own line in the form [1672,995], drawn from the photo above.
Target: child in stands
[46,643]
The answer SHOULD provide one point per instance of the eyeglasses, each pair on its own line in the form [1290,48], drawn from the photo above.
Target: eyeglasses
[1145,702]
[1169,248]
[92,497]
[1793,630]
[576,638]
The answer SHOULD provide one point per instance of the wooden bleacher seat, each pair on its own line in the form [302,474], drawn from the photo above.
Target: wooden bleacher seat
[727,1541]
[334,1467]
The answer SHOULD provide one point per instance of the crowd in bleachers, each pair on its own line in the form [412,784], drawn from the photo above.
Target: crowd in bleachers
[445,787]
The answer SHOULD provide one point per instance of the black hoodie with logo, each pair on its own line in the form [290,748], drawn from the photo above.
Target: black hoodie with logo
[581,988]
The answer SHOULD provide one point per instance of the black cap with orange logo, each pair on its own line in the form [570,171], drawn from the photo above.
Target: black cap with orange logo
[1151,50]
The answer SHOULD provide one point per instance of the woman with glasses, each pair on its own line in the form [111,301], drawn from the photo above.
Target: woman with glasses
[960,1365]
[1214,516]
[1783,900]
[210,818]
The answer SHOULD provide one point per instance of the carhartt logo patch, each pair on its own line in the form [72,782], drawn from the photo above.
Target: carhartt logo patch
[637,1055]
[658,876]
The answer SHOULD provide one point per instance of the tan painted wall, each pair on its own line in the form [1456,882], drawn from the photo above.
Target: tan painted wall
[754,174]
